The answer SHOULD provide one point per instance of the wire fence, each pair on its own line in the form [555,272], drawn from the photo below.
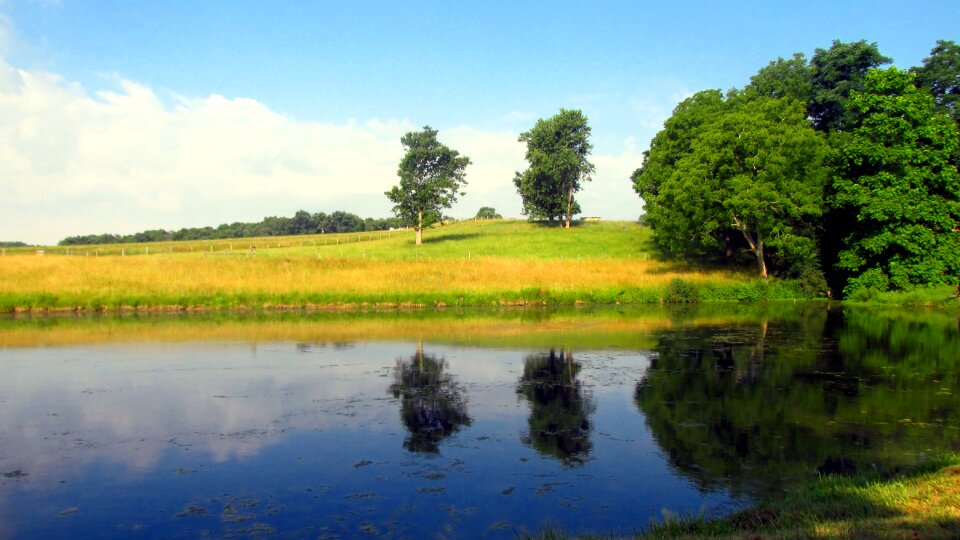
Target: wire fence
[241,247]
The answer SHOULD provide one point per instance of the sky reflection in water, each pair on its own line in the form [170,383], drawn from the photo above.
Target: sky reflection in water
[417,439]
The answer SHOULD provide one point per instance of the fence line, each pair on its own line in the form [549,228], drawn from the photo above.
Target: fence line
[210,247]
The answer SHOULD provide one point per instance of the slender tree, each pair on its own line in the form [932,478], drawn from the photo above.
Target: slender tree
[557,151]
[431,178]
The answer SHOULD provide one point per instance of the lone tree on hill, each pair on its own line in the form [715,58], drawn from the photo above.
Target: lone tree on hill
[557,150]
[431,179]
[487,212]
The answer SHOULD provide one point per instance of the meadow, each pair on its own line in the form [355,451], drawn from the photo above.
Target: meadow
[472,263]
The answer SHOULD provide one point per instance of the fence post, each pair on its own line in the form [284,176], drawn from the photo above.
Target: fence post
[123,252]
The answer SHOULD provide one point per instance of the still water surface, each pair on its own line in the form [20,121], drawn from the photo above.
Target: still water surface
[600,423]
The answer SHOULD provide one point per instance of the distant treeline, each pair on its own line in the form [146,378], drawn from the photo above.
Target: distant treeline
[12,244]
[302,222]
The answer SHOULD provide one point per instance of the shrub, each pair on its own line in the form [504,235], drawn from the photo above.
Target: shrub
[680,291]
[867,285]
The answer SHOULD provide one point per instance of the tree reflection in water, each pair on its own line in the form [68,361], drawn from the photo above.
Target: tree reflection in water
[559,408]
[432,406]
[758,409]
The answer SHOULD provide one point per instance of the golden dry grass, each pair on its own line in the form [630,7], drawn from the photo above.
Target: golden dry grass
[174,275]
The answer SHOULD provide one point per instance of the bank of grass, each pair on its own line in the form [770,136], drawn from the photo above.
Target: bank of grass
[923,502]
[920,503]
[945,295]
[486,264]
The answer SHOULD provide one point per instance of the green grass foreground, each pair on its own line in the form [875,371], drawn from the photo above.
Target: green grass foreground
[923,502]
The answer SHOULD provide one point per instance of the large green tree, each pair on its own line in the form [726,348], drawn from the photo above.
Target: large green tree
[940,74]
[743,171]
[431,178]
[897,177]
[557,151]
[834,73]
[783,78]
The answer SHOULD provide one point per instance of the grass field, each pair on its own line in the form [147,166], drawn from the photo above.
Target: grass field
[501,262]
[923,502]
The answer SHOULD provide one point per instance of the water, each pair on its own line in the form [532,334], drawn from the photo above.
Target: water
[453,425]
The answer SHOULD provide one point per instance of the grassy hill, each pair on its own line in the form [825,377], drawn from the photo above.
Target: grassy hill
[473,263]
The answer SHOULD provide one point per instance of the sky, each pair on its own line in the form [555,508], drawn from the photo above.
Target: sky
[119,116]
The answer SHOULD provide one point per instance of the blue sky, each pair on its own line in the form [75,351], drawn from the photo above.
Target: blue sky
[124,116]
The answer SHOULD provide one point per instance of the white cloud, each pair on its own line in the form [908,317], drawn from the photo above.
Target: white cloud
[610,195]
[124,159]
[120,160]
[495,157]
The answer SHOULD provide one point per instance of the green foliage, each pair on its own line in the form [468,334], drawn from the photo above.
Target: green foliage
[302,222]
[898,177]
[722,174]
[812,282]
[431,178]
[834,74]
[557,151]
[783,79]
[487,212]
[940,74]
[759,408]
[680,291]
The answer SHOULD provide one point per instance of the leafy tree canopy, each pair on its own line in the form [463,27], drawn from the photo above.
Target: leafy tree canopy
[940,74]
[488,212]
[742,171]
[431,179]
[897,175]
[834,73]
[783,78]
[557,151]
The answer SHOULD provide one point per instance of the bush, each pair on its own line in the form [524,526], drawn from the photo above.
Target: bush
[867,285]
[812,283]
[681,292]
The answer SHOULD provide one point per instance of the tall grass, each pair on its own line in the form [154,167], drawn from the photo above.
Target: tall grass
[465,264]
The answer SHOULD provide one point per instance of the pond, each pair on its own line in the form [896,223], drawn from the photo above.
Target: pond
[454,424]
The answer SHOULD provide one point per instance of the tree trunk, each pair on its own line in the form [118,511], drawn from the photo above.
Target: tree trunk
[419,227]
[569,205]
[420,353]
[755,246]
[760,262]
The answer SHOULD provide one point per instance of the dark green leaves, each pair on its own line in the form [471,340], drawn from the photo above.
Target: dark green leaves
[431,179]
[557,150]
[898,178]
[742,173]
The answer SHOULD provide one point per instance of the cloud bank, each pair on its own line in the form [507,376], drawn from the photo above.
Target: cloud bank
[125,158]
